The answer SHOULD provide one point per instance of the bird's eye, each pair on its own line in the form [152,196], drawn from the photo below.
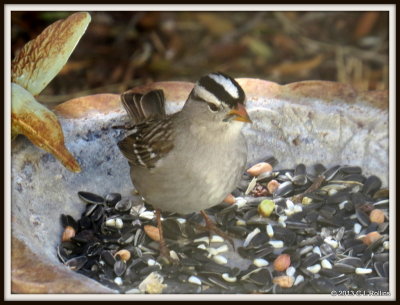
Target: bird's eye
[213,107]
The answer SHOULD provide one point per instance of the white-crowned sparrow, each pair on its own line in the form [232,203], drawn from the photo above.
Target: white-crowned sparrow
[191,160]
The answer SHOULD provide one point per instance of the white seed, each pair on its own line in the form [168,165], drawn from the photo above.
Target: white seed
[240,222]
[289,204]
[204,239]
[217,239]
[287,174]
[342,204]
[222,249]
[118,281]
[353,216]
[246,276]
[240,202]
[260,262]
[181,220]
[289,212]
[298,208]
[110,222]
[220,259]
[363,270]
[270,231]
[251,186]
[230,279]
[133,291]
[331,242]
[282,220]
[276,243]
[332,192]
[305,250]
[315,268]
[326,264]
[119,223]
[357,228]
[202,246]
[299,279]
[317,250]
[147,215]
[151,262]
[174,255]
[194,280]
[211,252]
[386,245]
[250,236]
[290,271]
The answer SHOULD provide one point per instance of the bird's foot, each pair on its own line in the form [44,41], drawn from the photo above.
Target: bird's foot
[212,228]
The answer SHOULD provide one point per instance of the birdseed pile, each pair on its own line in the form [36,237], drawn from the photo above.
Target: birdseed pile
[316,231]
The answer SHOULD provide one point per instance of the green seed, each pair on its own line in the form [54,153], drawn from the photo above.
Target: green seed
[266,207]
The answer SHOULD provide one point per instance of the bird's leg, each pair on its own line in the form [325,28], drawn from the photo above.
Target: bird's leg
[164,251]
[211,227]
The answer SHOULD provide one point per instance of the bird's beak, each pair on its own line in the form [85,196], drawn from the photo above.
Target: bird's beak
[240,114]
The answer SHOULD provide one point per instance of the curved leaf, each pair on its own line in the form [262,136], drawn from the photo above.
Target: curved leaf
[42,58]
[40,125]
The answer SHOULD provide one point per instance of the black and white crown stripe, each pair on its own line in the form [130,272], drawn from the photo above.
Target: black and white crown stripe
[218,88]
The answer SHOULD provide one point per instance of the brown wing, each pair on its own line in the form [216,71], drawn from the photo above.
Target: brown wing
[149,142]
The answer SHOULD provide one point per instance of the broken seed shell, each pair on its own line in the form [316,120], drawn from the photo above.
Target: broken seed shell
[251,186]
[284,281]
[125,255]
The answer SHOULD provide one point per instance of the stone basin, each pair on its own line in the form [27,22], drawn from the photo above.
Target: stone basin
[305,122]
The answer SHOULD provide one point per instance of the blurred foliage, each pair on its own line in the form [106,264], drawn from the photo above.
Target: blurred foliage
[124,49]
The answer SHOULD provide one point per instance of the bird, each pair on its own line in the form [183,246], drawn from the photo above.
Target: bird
[191,160]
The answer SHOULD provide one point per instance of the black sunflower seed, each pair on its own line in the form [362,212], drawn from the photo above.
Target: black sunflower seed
[91,198]
[112,198]
[371,185]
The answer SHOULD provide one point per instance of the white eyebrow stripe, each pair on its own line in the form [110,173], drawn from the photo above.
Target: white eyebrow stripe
[206,95]
[227,84]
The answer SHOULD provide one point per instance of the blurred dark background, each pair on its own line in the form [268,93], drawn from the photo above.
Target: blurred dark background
[124,49]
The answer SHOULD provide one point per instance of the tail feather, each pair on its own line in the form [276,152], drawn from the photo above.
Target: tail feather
[142,108]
